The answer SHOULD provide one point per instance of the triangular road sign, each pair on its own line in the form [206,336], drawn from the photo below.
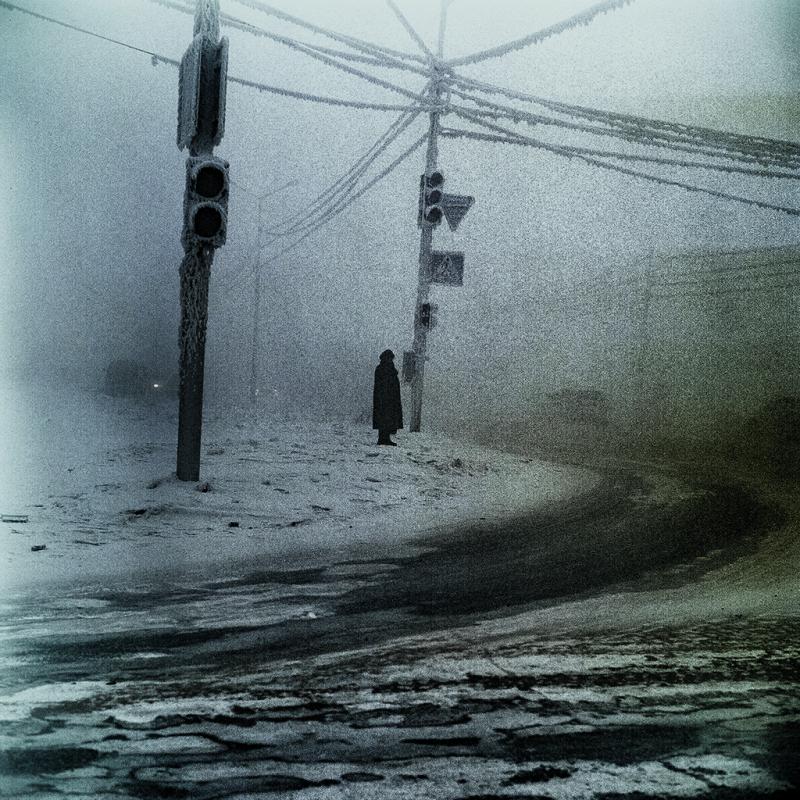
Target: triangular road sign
[455,207]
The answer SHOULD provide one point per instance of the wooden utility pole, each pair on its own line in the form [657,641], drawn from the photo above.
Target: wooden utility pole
[201,125]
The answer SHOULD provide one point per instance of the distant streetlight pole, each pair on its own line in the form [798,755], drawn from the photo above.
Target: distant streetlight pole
[257,293]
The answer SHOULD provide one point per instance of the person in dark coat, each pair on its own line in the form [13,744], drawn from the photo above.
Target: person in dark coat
[387,409]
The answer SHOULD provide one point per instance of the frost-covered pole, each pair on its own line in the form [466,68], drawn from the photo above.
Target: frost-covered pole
[201,125]
[419,347]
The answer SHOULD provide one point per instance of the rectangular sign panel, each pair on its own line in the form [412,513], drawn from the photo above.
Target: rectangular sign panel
[447,268]
[189,92]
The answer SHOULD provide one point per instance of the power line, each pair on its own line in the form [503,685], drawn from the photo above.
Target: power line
[323,222]
[410,30]
[299,46]
[568,152]
[261,87]
[777,150]
[455,133]
[328,198]
[43,17]
[350,41]
[629,134]
[584,18]
[343,204]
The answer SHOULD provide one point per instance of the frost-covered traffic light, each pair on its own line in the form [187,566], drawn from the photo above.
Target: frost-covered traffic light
[427,315]
[205,213]
[432,196]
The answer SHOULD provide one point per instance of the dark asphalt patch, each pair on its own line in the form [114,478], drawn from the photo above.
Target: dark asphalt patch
[601,539]
[45,761]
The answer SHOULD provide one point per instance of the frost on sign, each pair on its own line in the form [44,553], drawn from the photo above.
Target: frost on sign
[189,92]
[221,80]
[447,267]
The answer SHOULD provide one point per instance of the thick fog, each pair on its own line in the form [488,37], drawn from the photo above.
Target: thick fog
[557,252]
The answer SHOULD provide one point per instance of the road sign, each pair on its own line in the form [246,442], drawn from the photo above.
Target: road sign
[189,92]
[202,89]
[447,267]
[455,207]
[222,88]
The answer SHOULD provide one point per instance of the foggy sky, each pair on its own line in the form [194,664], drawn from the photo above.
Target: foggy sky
[91,219]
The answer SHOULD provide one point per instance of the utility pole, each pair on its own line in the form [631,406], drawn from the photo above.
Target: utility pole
[257,308]
[257,293]
[201,125]
[419,347]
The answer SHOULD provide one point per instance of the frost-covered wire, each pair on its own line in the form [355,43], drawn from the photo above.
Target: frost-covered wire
[158,58]
[327,199]
[675,162]
[316,98]
[351,198]
[351,175]
[410,29]
[775,152]
[488,108]
[300,47]
[583,18]
[43,17]
[322,223]
[568,152]
[350,41]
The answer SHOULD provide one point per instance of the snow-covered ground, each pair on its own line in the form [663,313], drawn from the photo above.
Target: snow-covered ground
[95,477]
[225,684]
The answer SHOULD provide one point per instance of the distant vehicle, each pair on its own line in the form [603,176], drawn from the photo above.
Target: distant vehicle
[129,378]
[580,405]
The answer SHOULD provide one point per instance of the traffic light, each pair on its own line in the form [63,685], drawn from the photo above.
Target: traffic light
[205,212]
[432,196]
[427,315]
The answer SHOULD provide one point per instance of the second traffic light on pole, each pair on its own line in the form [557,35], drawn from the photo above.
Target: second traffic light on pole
[205,213]
[427,315]
[431,195]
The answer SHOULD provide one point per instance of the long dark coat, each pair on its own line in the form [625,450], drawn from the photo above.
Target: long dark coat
[387,408]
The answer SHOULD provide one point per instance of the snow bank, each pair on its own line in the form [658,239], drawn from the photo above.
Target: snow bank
[95,476]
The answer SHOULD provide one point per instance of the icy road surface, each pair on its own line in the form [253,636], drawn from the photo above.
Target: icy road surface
[635,636]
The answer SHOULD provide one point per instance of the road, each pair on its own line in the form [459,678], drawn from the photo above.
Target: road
[425,676]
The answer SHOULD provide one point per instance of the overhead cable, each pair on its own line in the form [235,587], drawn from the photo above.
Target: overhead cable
[775,149]
[12,7]
[410,30]
[328,198]
[568,152]
[402,157]
[583,18]
[158,58]
[630,134]
[302,48]
[350,41]
[675,162]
